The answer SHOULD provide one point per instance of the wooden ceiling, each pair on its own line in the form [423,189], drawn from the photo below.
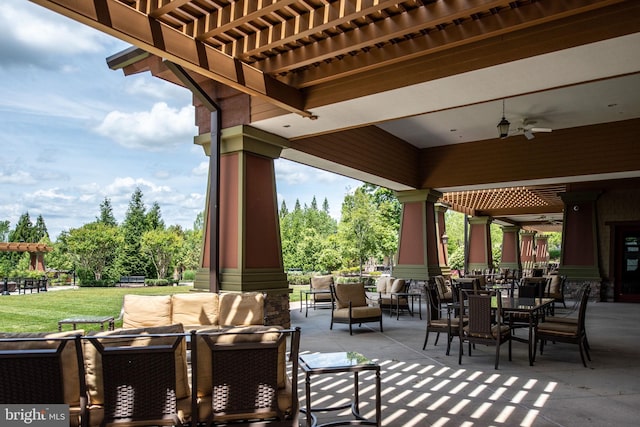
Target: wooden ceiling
[299,55]
[276,49]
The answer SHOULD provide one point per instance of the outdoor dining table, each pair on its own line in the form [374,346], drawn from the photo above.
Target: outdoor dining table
[532,306]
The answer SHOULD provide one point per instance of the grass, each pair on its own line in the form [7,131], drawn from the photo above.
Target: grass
[40,312]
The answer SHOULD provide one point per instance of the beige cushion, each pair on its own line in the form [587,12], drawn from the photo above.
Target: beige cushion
[96,412]
[196,308]
[353,292]
[321,282]
[204,352]
[357,312]
[70,372]
[93,359]
[241,309]
[397,286]
[383,285]
[554,286]
[143,311]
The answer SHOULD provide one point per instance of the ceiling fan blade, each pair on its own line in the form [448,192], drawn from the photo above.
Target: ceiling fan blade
[541,130]
[528,134]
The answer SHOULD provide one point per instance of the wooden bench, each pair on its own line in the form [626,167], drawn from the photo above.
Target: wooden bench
[131,280]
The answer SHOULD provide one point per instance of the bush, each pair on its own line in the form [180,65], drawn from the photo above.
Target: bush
[298,279]
[158,282]
[189,275]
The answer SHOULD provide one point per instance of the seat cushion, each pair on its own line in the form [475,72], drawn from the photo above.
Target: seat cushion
[93,359]
[144,311]
[196,308]
[357,313]
[398,285]
[554,286]
[241,309]
[353,292]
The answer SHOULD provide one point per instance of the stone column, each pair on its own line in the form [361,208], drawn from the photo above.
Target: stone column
[480,256]
[418,245]
[511,248]
[442,239]
[250,247]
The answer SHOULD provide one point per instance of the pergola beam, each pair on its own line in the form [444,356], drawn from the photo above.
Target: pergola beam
[158,38]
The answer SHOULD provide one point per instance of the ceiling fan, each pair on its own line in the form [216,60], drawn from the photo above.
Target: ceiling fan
[528,129]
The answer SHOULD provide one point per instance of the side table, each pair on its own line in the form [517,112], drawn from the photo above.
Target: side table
[73,321]
[331,363]
[410,296]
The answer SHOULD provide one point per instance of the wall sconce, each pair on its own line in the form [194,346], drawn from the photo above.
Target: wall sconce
[444,238]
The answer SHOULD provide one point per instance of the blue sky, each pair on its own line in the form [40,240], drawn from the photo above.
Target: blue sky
[73,132]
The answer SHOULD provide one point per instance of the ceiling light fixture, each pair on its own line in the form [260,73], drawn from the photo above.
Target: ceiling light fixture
[503,126]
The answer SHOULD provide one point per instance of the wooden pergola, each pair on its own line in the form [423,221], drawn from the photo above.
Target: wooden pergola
[36,250]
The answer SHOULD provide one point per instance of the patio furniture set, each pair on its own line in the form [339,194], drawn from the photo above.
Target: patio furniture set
[183,359]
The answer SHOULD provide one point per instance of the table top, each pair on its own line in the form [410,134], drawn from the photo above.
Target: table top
[316,291]
[86,319]
[335,361]
[525,304]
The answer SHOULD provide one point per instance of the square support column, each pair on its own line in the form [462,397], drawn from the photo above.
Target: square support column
[418,246]
[250,247]
[511,248]
[480,255]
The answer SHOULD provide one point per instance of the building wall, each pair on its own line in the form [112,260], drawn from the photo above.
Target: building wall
[614,205]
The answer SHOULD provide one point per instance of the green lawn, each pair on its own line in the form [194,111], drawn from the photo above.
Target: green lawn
[40,312]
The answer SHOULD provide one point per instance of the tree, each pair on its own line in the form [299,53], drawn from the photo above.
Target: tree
[93,245]
[40,230]
[154,218]
[357,228]
[161,246]
[130,259]
[24,231]
[4,230]
[106,213]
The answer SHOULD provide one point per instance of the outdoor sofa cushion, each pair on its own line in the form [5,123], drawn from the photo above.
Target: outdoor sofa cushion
[143,311]
[195,309]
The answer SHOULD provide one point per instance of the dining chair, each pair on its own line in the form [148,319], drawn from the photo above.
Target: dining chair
[568,331]
[437,323]
[484,322]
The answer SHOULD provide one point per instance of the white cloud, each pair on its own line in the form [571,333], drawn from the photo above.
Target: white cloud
[144,87]
[292,173]
[16,178]
[162,127]
[33,35]
[201,170]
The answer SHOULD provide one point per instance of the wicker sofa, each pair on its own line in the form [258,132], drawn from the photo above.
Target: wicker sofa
[195,310]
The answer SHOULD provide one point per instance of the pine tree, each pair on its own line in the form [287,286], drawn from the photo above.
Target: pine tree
[23,231]
[40,229]
[154,218]
[106,213]
[131,260]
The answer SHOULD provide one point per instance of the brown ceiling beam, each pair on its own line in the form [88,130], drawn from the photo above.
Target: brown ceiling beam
[126,23]
[614,21]
[156,12]
[451,36]
[238,13]
[525,210]
[381,31]
[330,15]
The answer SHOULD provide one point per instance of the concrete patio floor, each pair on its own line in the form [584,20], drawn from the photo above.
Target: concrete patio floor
[428,388]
